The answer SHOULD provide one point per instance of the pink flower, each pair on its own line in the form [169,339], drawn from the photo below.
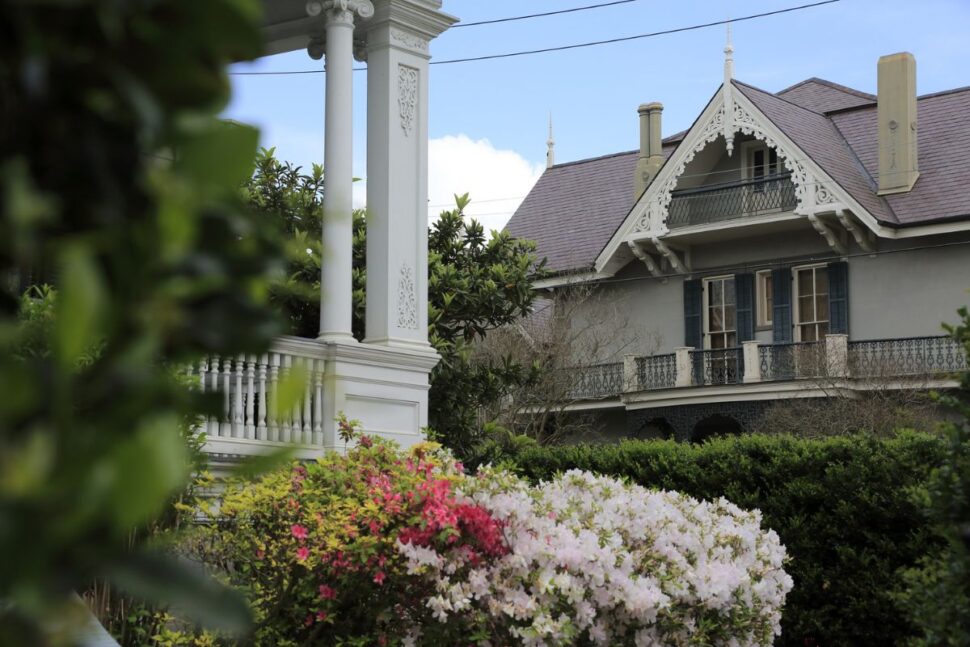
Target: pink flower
[321,616]
[260,554]
[327,592]
[379,577]
[298,531]
[302,553]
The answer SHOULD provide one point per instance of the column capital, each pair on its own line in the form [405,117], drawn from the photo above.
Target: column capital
[340,11]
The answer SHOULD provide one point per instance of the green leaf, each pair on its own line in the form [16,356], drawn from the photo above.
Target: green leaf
[80,306]
[219,154]
[253,467]
[159,578]
[291,388]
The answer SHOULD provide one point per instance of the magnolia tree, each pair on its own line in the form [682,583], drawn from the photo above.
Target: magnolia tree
[384,547]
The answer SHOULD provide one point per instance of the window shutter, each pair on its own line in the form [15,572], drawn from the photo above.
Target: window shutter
[693,314]
[781,312]
[744,291]
[838,298]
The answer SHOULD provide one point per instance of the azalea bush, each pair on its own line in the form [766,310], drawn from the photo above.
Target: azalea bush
[386,547]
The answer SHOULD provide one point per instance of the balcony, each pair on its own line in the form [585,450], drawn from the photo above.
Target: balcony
[730,201]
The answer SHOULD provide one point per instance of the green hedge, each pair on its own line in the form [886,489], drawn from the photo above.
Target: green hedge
[843,507]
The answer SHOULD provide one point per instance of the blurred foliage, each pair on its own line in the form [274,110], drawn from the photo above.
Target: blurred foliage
[119,186]
[843,507]
[476,284]
[937,596]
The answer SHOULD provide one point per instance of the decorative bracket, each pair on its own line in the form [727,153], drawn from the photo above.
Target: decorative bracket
[830,236]
[862,238]
[671,256]
[644,257]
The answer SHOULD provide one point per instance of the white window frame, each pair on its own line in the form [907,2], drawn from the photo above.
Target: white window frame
[765,315]
[796,301]
[706,342]
[747,151]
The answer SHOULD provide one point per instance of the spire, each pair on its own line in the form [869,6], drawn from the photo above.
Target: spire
[550,145]
[727,89]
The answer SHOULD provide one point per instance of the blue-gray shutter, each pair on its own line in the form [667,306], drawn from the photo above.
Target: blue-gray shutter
[744,293]
[838,298]
[693,314]
[781,311]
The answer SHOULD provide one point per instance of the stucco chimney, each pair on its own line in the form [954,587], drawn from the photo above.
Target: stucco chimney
[651,157]
[898,153]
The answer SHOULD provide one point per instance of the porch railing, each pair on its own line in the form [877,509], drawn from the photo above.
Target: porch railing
[596,381]
[722,366]
[657,371]
[249,386]
[731,200]
[912,356]
[792,361]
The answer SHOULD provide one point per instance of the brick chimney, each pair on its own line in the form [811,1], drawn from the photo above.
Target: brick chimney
[651,157]
[898,152]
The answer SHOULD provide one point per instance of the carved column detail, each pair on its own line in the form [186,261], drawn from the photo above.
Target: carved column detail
[407,96]
[407,300]
[409,41]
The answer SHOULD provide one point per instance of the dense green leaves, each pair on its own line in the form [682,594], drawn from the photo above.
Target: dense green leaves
[842,506]
[118,185]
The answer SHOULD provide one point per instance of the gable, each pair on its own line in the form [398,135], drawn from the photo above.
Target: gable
[821,96]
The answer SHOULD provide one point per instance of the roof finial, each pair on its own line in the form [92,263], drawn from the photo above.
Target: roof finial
[550,145]
[728,56]
[728,131]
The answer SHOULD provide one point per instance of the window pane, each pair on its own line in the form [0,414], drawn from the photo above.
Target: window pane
[716,319]
[773,166]
[731,339]
[808,333]
[821,281]
[715,291]
[805,287]
[805,310]
[717,341]
[822,307]
[823,329]
[729,298]
[730,318]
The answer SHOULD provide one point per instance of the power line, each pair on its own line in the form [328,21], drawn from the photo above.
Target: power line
[562,48]
[541,15]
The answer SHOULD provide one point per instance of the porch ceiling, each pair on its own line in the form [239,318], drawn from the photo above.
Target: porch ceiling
[286,25]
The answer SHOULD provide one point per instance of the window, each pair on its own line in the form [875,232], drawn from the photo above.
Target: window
[811,302]
[760,161]
[765,298]
[720,313]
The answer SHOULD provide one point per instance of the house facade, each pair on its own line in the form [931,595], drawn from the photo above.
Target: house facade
[787,245]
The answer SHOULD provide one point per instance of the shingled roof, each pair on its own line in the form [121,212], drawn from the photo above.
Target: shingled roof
[575,208]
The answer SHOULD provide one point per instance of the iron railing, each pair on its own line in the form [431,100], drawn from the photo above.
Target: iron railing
[596,381]
[713,367]
[926,356]
[792,361]
[731,200]
[657,372]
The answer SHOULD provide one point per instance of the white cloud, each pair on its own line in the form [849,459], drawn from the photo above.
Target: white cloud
[496,180]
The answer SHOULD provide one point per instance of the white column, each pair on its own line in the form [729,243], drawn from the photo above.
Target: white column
[397,169]
[752,362]
[837,355]
[682,360]
[631,383]
[336,265]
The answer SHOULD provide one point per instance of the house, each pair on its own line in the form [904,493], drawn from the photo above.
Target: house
[815,233]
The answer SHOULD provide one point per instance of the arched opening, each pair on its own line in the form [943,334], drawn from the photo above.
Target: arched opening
[715,426]
[657,429]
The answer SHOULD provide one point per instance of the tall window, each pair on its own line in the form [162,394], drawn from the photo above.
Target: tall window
[761,162]
[765,299]
[720,313]
[811,303]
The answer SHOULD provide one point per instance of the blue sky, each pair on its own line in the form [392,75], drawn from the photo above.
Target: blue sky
[488,119]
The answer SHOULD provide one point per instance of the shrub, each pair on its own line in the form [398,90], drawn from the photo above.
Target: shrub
[384,547]
[843,508]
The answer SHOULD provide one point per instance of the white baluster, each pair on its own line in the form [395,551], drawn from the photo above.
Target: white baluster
[307,403]
[274,383]
[261,422]
[250,396]
[318,402]
[213,371]
[286,434]
[237,401]
[225,425]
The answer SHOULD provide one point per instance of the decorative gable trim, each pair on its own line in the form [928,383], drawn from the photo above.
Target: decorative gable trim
[731,112]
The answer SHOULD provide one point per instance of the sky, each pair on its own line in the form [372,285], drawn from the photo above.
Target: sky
[489,119]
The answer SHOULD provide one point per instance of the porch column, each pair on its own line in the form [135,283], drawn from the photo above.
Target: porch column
[397,169]
[336,265]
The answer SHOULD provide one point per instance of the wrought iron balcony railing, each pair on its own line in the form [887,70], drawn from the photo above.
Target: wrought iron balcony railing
[596,381]
[731,200]
[657,372]
[792,361]
[721,366]
[913,356]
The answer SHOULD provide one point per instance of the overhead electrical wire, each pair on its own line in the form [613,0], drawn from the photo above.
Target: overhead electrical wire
[562,48]
[541,15]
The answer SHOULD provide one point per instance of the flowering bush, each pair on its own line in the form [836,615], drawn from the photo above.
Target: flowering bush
[384,547]
[593,560]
